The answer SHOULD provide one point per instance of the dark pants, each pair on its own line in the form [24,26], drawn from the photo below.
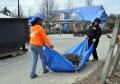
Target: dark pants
[23,47]
[95,56]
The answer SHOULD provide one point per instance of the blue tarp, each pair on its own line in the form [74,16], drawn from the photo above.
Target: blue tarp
[79,49]
[58,63]
[41,15]
[65,28]
[89,13]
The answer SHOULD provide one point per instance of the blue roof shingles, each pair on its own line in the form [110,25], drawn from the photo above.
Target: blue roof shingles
[90,13]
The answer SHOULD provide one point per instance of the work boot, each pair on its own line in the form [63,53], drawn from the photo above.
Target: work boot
[34,76]
[46,71]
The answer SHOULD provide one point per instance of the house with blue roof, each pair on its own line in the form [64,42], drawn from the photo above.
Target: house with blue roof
[86,13]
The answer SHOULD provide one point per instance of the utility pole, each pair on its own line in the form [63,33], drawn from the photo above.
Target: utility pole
[18,9]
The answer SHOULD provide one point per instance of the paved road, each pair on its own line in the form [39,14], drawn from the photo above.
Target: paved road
[15,70]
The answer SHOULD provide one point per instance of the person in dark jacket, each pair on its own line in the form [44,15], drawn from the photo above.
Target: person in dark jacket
[93,34]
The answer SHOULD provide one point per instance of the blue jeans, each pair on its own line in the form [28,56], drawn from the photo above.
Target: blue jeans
[37,51]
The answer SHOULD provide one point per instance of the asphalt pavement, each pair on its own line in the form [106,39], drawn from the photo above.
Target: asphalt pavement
[15,70]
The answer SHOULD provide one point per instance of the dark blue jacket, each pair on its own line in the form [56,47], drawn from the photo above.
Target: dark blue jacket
[94,32]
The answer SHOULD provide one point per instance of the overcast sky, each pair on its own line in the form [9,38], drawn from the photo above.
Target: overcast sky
[110,6]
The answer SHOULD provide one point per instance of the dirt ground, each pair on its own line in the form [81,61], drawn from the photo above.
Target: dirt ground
[95,77]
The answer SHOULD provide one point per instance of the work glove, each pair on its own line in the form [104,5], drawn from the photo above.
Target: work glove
[94,40]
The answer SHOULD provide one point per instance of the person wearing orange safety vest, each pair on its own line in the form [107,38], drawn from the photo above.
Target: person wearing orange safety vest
[38,38]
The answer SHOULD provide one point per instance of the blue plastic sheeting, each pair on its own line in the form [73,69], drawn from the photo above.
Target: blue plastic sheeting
[58,63]
[89,13]
[42,16]
[31,18]
[79,49]
[65,28]
[72,19]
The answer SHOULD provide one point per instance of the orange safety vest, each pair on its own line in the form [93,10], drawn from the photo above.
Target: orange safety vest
[38,36]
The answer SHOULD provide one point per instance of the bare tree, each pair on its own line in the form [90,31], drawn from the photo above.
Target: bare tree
[21,12]
[14,13]
[29,11]
[88,2]
[48,7]
[69,4]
